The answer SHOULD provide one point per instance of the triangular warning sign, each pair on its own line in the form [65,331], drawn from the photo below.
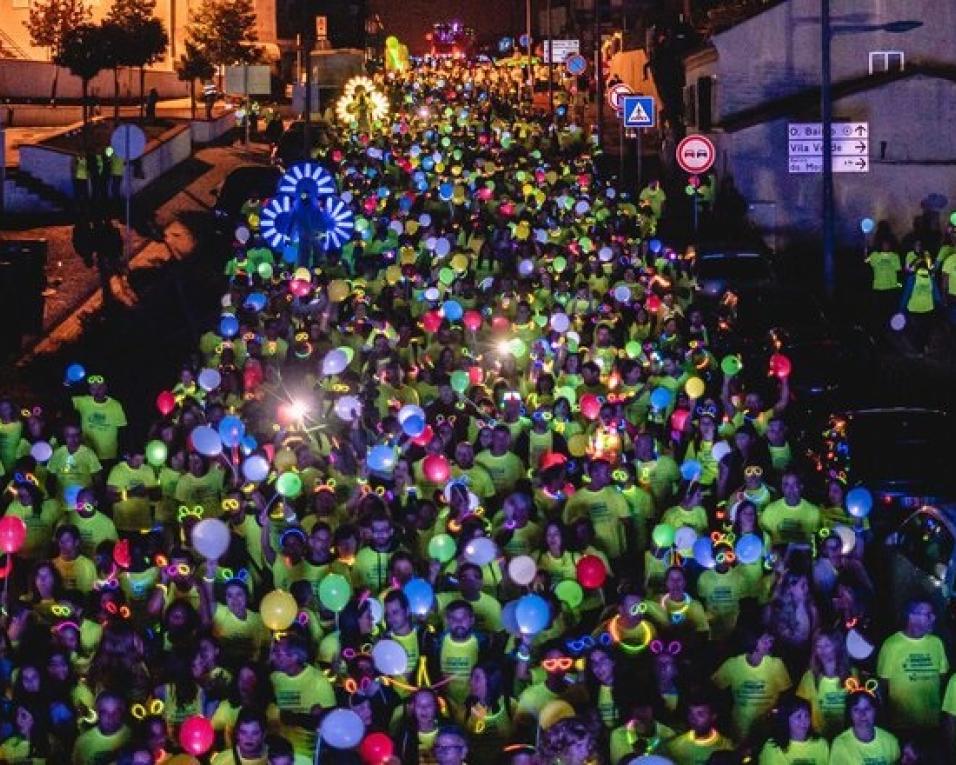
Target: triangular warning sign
[638,114]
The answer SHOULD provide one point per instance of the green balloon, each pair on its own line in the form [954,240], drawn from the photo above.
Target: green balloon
[570,593]
[663,535]
[264,270]
[361,224]
[349,352]
[334,592]
[633,349]
[518,347]
[442,548]
[566,392]
[289,485]
[540,319]
[560,263]
[156,452]
[952,218]
[446,275]
[459,381]
[586,244]
[731,365]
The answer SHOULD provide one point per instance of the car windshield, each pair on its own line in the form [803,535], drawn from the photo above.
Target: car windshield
[900,447]
[759,311]
[733,268]
[926,543]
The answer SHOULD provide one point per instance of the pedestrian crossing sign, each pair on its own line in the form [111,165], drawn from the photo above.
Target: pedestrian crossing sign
[638,111]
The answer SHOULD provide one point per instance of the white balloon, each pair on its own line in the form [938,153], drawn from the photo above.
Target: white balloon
[242,234]
[41,451]
[622,293]
[442,247]
[582,207]
[605,254]
[390,658]
[847,537]
[345,405]
[720,450]
[432,294]
[335,362]
[342,729]
[522,569]
[560,322]
[210,538]
[377,609]
[480,551]
[684,538]
[255,468]
[410,410]
[209,379]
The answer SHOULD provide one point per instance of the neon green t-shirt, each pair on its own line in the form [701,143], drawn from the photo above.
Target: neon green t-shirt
[913,669]
[687,749]
[10,435]
[93,748]
[74,468]
[100,422]
[886,270]
[606,509]
[457,659]
[300,693]
[505,471]
[721,595]
[813,751]
[847,749]
[790,524]
[133,513]
[827,697]
[755,689]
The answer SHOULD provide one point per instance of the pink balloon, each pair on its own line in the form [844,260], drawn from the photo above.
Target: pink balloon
[196,735]
[13,533]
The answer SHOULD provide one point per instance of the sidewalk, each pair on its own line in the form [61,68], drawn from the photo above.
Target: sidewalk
[185,190]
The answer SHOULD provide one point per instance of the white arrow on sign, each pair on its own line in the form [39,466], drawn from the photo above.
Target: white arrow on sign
[837,130]
[840,146]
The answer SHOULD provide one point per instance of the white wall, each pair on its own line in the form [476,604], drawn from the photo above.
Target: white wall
[33,79]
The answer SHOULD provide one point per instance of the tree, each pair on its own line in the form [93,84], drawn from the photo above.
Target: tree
[146,36]
[85,52]
[48,23]
[115,53]
[225,32]
[193,65]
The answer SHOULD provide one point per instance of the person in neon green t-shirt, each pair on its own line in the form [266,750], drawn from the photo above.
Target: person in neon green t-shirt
[887,268]
[101,418]
[11,431]
[73,464]
[100,743]
[301,692]
[793,742]
[863,742]
[755,679]
[790,518]
[130,484]
[504,466]
[702,739]
[912,664]
[605,506]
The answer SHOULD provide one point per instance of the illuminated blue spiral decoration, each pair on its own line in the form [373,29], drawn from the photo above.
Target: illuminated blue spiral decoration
[275,222]
[338,222]
[308,178]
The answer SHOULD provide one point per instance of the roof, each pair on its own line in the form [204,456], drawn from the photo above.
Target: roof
[808,100]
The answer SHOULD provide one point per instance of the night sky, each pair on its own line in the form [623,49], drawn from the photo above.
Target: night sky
[409,20]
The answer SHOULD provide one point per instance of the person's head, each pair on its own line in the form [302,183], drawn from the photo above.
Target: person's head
[470,580]
[601,665]
[381,530]
[397,612]
[72,437]
[424,708]
[554,537]
[46,582]
[700,714]
[828,654]
[675,582]
[920,618]
[861,709]
[280,751]
[792,721]
[485,683]
[110,713]
[237,598]
[600,474]
[500,440]
[791,487]
[459,619]
[289,654]
[451,746]
[250,733]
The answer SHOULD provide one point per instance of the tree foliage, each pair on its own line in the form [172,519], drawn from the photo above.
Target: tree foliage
[193,65]
[50,20]
[225,32]
[146,36]
[86,51]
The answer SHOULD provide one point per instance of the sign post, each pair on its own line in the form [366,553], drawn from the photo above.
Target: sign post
[129,143]
[638,113]
[849,146]
[696,155]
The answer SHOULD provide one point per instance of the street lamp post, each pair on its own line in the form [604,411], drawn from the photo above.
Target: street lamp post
[598,73]
[550,63]
[827,33]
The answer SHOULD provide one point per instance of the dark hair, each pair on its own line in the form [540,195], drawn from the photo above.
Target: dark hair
[781,724]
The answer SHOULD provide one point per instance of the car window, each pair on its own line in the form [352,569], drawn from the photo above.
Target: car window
[926,543]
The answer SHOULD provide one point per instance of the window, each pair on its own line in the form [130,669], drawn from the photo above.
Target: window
[887,61]
[690,105]
[927,544]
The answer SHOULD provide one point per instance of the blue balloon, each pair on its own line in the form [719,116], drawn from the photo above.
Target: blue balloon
[405,204]
[446,191]
[453,310]
[290,253]
[422,185]
[532,614]
[749,548]
[420,596]
[70,495]
[413,426]
[704,552]
[248,444]
[381,458]
[383,192]
[231,430]
[508,619]
[867,225]
[428,163]
[859,502]
[660,398]
[655,245]
[256,301]
[690,470]
[229,326]
[75,373]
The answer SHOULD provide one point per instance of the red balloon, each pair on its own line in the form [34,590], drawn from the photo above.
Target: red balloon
[376,748]
[436,469]
[196,735]
[591,572]
[475,375]
[13,533]
[652,304]
[679,419]
[780,365]
[500,324]
[431,321]
[471,320]
[425,437]
[165,402]
[590,406]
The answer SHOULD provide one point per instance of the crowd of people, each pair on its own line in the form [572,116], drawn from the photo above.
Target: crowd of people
[475,486]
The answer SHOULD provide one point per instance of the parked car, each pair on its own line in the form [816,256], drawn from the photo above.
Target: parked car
[826,357]
[721,267]
[921,563]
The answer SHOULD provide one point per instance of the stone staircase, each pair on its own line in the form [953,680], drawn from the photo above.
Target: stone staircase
[8,48]
[25,195]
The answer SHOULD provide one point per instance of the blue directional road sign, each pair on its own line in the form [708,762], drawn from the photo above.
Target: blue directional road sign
[638,111]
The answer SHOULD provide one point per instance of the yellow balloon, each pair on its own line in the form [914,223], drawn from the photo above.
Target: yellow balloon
[338,290]
[302,274]
[278,610]
[551,176]
[553,712]
[695,387]
[460,262]
[439,167]
[406,256]
[527,190]
[411,226]
[578,445]
[523,231]
[285,459]
[393,274]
